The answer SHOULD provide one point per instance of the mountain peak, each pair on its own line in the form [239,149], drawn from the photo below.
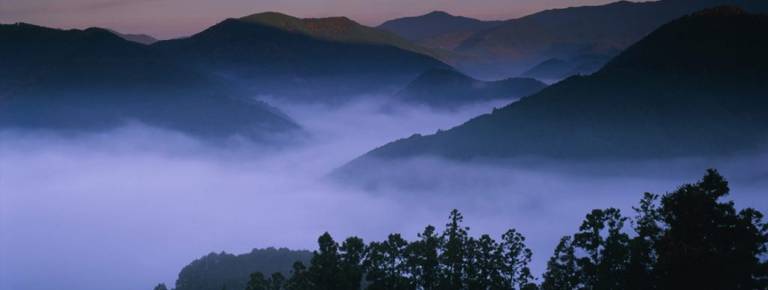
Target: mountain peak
[439,13]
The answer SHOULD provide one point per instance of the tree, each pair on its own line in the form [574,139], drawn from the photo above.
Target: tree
[515,257]
[422,259]
[484,264]
[258,282]
[352,255]
[562,270]
[452,257]
[325,271]
[276,281]
[707,244]
[606,261]
[161,286]
[642,253]
[386,265]
[300,279]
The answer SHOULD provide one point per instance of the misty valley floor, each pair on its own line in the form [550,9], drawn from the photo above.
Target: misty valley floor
[130,207]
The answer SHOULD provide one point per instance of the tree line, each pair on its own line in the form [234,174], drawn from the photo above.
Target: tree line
[686,239]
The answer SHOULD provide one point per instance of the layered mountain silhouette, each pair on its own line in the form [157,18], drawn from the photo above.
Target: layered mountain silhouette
[305,59]
[437,29]
[446,88]
[92,79]
[555,69]
[516,45]
[694,87]
[139,38]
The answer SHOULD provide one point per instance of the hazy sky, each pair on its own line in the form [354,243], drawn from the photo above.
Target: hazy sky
[170,18]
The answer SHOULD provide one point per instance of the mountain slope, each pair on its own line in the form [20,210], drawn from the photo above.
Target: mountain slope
[92,79]
[340,29]
[436,29]
[444,88]
[694,87]
[138,38]
[518,44]
[271,54]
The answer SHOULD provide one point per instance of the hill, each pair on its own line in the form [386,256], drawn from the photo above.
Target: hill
[227,271]
[694,87]
[325,60]
[444,88]
[138,38]
[555,69]
[93,80]
[516,45]
[436,29]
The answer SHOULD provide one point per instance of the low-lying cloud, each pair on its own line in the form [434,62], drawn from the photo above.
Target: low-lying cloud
[128,208]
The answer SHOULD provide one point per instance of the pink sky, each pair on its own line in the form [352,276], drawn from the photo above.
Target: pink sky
[173,18]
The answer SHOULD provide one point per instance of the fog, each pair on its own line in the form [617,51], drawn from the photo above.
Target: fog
[127,209]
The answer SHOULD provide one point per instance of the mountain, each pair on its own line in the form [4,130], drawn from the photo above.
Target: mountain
[341,29]
[436,29]
[227,271]
[305,59]
[518,44]
[555,69]
[93,80]
[139,38]
[694,87]
[445,88]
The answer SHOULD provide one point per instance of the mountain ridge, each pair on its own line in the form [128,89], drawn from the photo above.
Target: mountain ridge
[640,105]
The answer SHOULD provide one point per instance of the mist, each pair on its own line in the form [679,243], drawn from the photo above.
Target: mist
[128,208]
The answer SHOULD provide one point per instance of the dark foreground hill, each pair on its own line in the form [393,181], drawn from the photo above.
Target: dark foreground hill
[93,79]
[227,271]
[445,88]
[695,87]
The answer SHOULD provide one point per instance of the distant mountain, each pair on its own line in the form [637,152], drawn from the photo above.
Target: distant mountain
[140,38]
[516,45]
[437,29]
[92,79]
[305,59]
[445,88]
[555,69]
[694,87]
[341,29]
[227,271]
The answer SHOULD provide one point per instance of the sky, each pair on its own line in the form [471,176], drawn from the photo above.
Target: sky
[174,18]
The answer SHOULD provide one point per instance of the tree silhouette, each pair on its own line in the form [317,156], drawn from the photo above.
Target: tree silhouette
[325,271]
[386,264]
[562,270]
[353,252]
[452,257]
[686,239]
[423,263]
[707,244]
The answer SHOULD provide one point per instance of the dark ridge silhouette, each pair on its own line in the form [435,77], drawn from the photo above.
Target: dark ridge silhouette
[437,29]
[694,87]
[138,38]
[555,69]
[227,271]
[445,88]
[93,80]
[273,54]
[516,45]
